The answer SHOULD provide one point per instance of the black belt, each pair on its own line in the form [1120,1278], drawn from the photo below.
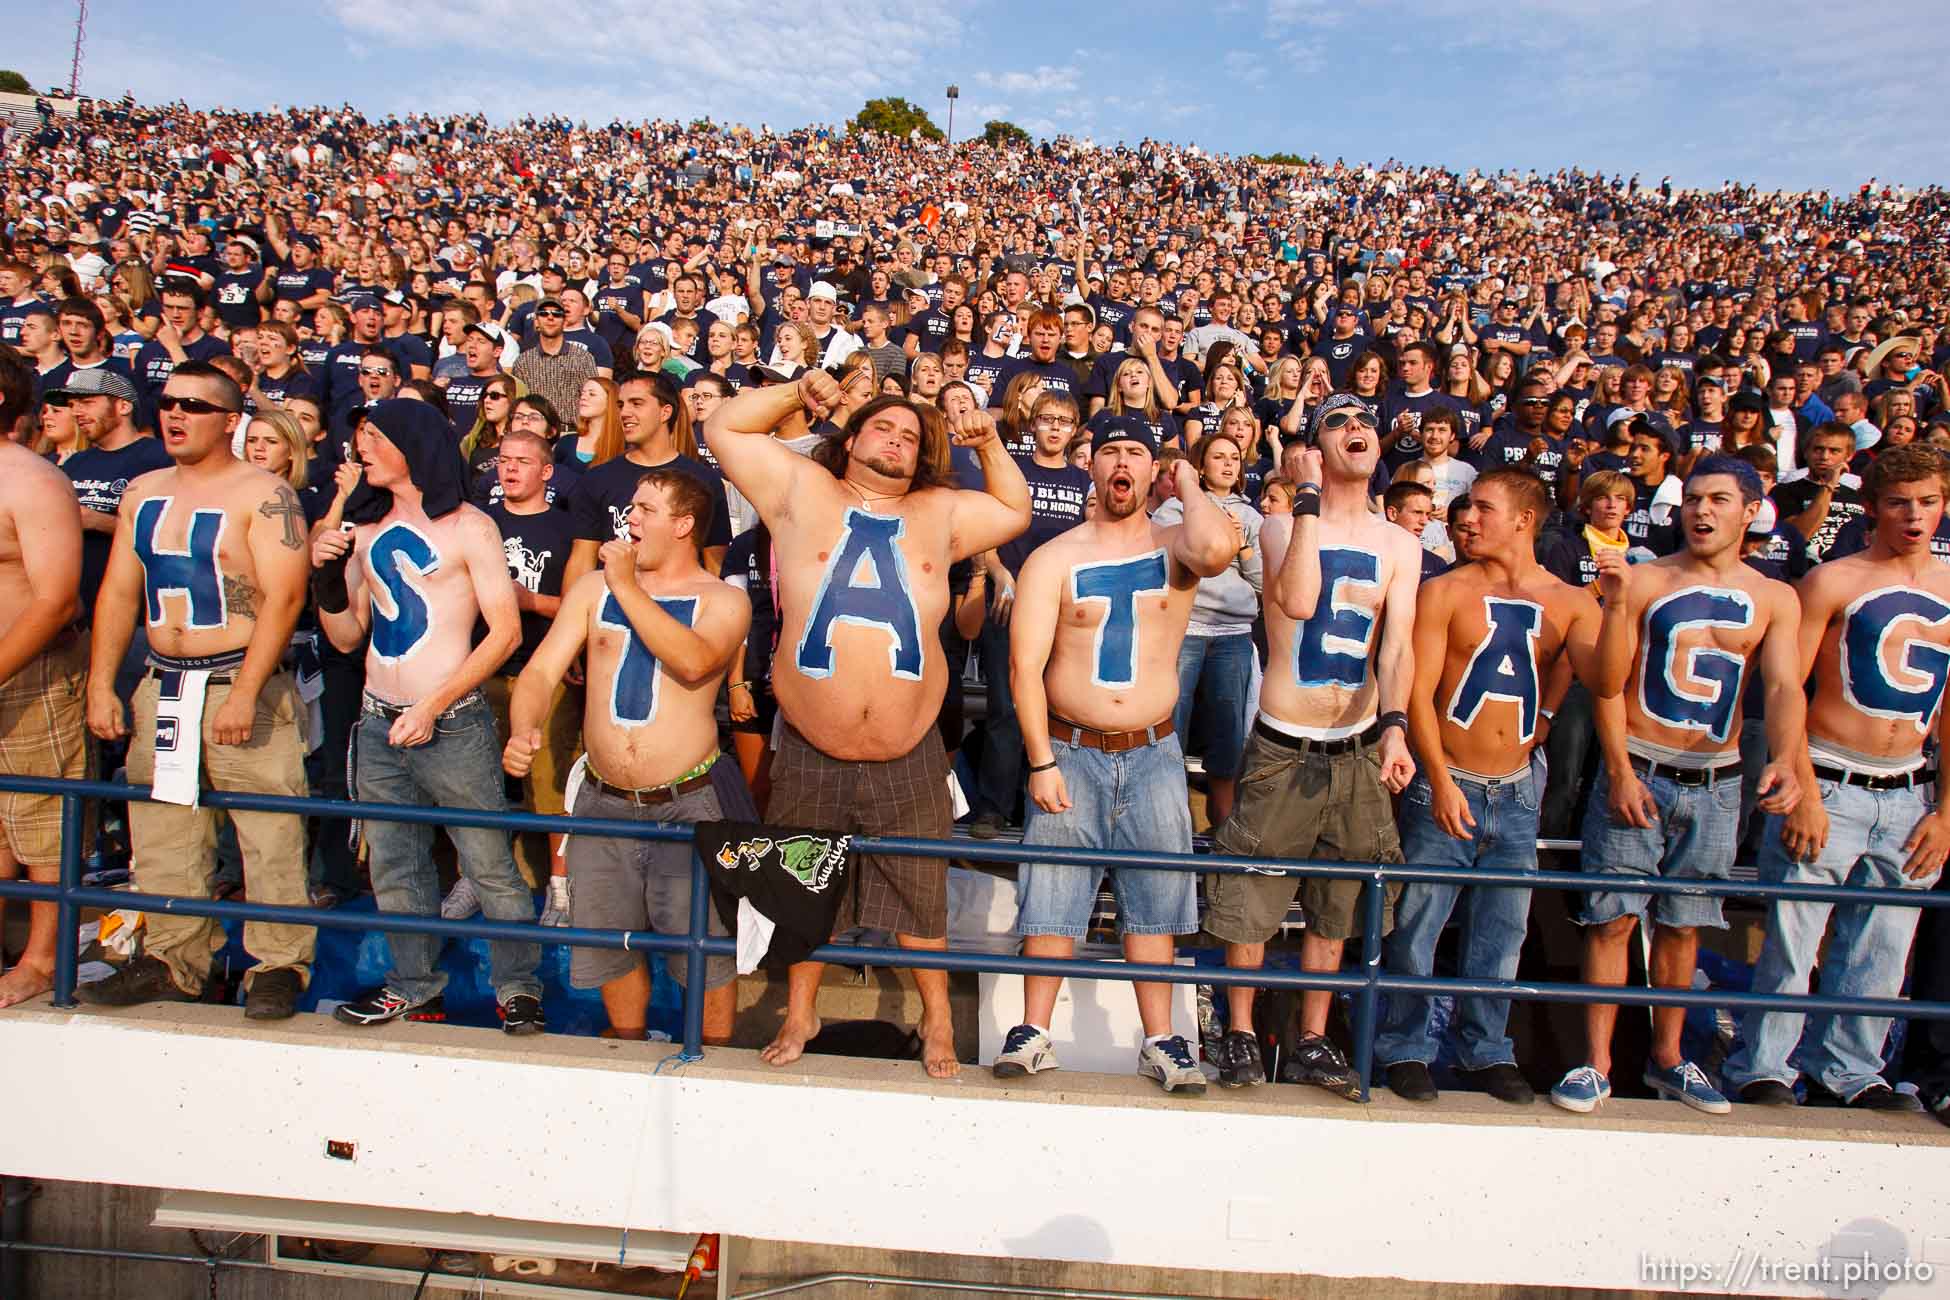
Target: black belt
[1872,781]
[1686,775]
[373,704]
[1326,748]
[656,794]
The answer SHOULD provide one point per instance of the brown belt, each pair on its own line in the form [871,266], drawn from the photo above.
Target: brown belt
[656,794]
[1110,742]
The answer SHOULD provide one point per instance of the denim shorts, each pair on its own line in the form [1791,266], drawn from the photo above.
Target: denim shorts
[1129,801]
[1694,839]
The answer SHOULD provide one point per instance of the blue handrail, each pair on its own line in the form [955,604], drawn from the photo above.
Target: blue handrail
[70,895]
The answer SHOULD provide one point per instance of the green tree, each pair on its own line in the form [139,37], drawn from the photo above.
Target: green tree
[1282,159]
[895,116]
[13,83]
[1003,133]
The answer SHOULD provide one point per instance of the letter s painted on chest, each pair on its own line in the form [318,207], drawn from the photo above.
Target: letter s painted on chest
[1503,666]
[633,689]
[194,573]
[1868,628]
[1118,583]
[401,617]
[1332,647]
[1661,676]
[865,584]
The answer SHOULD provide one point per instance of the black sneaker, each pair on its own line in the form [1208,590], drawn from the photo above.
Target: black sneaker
[1936,1100]
[987,825]
[522,1014]
[1317,1061]
[1504,1082]
[1238,1061]
[274,995]
[143,979]
[1410,1081]
[377,1006]
[1767,1092]
[1880,1096]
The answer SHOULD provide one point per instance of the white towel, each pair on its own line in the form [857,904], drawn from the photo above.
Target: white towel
[754,936]
[571,787]
[179,735]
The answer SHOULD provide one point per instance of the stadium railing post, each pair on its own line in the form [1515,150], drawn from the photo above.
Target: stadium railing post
[1367,1002]
[67,940]
[694,958]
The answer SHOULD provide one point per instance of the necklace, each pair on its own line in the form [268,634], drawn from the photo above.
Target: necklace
[868,498]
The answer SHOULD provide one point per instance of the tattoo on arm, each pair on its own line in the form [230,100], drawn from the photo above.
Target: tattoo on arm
[283,506]
[239,596]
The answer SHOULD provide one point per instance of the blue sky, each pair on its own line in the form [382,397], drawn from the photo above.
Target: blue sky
[1790,93]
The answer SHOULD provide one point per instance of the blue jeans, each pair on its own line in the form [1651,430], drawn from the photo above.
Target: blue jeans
[1866,955]
[1129,801]
[459,768]
[1692,839]
[1494,920]
[1216,674]
[1000,781]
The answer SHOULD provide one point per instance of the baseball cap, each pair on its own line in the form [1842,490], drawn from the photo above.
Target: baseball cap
[488,330]
[362,302]
[1107,428]
[1764,520]
[824,289]
[99,381]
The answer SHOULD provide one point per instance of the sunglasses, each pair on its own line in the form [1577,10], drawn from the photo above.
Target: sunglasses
[1341,419]
[192,406]
[551,311]
[495,397]
[375,372]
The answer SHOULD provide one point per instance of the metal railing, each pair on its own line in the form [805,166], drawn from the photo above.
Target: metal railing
[70,896]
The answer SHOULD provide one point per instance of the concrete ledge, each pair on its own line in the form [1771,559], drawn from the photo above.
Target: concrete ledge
[1081,1168]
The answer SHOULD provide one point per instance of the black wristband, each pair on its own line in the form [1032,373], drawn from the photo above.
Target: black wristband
[1306,504]
[328,586]
[1393,718]
[1043,767]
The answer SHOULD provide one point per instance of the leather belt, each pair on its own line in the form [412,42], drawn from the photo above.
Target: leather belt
[1309,745]
[1874,781]
[373,704]
[1110,742]
[656,794]
[1686,775]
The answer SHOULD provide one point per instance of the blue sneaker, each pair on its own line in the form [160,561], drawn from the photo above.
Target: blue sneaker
[1582,1090]
[1687,1082]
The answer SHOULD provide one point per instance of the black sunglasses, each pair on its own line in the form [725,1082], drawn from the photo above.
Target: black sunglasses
[551,311]
[192,405]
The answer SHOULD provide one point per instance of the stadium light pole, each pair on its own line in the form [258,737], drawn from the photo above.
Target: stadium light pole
[954,93]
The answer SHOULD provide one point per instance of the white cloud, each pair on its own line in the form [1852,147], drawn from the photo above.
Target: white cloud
[1245,66]
[1048,79]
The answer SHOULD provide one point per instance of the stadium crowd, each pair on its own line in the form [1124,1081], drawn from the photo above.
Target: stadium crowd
[676,472]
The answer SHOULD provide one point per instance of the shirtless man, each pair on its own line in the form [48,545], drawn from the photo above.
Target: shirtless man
[211,553]
[1093,644]
[43,666]
[864,531]
[660,632]
[1329,746]
[1875,634]
[1494,642]
[1667,800]
[419,567]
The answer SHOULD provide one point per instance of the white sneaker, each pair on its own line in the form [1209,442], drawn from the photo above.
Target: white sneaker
[1170,1062]
[1027,1050]
[556,912]
[461,902]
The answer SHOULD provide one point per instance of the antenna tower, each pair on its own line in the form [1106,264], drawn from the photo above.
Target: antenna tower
[80,33]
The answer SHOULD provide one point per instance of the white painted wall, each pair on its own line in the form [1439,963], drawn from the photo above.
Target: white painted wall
[1074,1167]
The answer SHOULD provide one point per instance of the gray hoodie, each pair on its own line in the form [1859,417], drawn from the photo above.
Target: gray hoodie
[1228,600]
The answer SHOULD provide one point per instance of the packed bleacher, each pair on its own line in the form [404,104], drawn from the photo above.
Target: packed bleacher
[798,486]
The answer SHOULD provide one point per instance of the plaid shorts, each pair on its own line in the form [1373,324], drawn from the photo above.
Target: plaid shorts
[905,796]
[43,732]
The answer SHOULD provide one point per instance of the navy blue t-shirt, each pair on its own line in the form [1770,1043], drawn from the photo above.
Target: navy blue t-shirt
[1056,498]
[537,547]
[100,479]
[600,500]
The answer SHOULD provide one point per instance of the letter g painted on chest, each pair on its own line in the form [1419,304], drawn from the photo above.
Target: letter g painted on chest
[1868,629]
[1713,675]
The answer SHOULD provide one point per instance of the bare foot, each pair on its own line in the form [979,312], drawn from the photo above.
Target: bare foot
[938,1051]
[790,1045]
[24,983]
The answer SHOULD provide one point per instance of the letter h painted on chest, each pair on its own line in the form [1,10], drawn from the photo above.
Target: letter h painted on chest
[193,573]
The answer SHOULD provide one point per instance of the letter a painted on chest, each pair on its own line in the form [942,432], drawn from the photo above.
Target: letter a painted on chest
[193,573]
[1504,665]
[865,584]
[633,690]
[1118,583]
[1868,628]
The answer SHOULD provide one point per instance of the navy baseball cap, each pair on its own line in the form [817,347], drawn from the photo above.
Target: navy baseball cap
[362,302]
[1106,428]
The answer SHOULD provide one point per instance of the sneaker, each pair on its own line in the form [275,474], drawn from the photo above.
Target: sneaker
[1767,1092]
[377,1006]
[274,995]
[1410,1080]
[1937,1102]
[1169,1061]
[1504,1081]
[1687,1082]
[1582,1090]
[141,979]
[556,913]
[1317,1061]
[1238,1061]
[462,901]
[987,825]
[522,1014]
[1880,1096]
[1025,1051]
